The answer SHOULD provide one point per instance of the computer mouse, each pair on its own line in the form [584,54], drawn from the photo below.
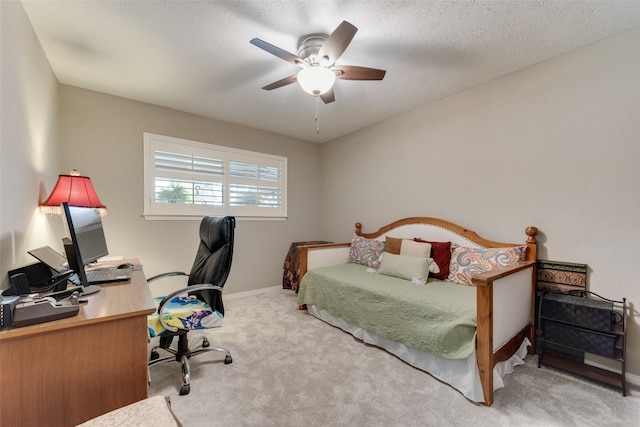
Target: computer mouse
[125,265]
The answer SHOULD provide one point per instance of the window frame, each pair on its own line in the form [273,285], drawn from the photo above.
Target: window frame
[153,210]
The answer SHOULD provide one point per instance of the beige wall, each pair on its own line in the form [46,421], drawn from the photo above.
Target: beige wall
[101,135]
[555,146]
[28,140]
[48,129]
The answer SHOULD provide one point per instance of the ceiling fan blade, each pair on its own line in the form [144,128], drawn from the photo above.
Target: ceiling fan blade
[328,96]
[337,42]
[351,72]
[281,82]
[280,53]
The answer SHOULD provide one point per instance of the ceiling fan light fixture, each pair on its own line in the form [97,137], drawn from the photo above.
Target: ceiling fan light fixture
[316,79]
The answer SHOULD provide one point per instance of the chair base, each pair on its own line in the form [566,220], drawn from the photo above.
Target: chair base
[182,354]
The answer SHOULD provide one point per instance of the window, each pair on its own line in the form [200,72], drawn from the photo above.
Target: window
[185,179]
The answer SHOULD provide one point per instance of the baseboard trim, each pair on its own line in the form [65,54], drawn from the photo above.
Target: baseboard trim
[633,379]
[630,378]
[251,292]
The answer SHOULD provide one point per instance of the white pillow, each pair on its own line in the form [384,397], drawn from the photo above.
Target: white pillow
[406,267]
[412,248]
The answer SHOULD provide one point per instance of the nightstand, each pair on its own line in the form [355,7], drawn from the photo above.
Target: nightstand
[570,326]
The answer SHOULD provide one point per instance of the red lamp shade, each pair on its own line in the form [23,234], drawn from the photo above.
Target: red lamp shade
[74,189]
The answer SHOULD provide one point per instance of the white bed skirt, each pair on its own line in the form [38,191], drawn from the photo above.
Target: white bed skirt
[461,374]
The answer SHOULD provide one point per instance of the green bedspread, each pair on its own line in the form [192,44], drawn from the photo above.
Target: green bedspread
[439,317]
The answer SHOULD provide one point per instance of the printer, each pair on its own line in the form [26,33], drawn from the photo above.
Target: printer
[33,310]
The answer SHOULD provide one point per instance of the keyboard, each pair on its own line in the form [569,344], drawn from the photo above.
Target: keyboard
[106,275]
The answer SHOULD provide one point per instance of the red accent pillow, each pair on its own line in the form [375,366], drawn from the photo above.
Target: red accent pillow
[441,254]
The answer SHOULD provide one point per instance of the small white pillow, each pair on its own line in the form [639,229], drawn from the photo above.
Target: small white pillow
[433,266]
[406,267]
[419,249]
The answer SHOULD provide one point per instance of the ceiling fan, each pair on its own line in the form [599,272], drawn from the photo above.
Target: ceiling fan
[317,54]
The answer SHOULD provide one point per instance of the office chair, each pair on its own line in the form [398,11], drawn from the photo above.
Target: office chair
[198,305]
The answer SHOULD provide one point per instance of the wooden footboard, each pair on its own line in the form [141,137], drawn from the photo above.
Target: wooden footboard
[520,276]
[487,358]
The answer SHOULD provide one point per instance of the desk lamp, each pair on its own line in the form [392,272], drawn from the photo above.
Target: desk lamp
[74,189]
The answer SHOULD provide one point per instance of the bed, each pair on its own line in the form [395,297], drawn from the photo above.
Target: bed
[468,333]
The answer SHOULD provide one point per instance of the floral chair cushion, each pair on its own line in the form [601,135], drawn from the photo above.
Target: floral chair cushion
[184,312]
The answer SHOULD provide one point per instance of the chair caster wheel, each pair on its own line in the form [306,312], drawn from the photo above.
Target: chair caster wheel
[185,389]
[228,360]
[154,355]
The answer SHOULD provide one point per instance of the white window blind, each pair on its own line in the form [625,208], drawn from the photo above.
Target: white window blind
[190,179]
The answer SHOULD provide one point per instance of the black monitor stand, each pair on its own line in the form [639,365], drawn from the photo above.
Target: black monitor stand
[90,289]
[78,267]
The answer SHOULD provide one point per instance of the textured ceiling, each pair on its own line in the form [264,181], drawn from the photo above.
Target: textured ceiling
[195,56]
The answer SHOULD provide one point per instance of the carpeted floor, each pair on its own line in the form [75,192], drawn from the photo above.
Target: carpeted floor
[292,369]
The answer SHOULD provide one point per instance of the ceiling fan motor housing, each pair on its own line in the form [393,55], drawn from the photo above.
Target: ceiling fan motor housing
[308,47]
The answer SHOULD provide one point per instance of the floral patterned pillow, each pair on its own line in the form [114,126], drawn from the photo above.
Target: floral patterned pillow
[366,251]
[466,262]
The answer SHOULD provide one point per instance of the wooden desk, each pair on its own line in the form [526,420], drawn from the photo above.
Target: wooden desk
[65,372]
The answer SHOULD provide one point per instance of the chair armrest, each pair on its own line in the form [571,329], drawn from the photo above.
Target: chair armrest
[187,290]
[163,275]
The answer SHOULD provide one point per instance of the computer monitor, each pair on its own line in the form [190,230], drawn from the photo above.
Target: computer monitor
[85,242]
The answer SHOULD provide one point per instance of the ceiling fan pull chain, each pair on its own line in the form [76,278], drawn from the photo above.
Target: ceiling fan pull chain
[317,115]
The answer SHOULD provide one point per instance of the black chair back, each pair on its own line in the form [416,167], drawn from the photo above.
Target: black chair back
[213,259]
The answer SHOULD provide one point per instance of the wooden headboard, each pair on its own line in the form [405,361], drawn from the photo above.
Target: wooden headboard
[425,227]
[405,227]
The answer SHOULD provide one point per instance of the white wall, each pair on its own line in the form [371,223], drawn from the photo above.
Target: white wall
[101,136]
[555,146]
[28,140]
